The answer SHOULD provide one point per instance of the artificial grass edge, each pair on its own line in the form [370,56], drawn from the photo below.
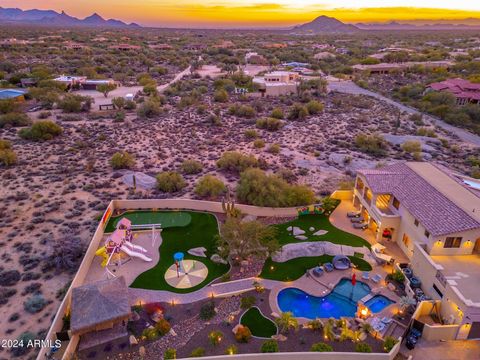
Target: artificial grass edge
[255,320]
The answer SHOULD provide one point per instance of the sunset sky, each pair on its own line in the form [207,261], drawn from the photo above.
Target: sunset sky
[258,13]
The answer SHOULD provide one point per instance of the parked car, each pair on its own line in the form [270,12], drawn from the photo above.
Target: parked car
[362,225]
[353,214]
[357,220]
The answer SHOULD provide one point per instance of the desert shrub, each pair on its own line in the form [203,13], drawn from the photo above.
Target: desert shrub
[197,352]
[258,143]
[41,131]
[231,350]
[190,167]
[363,348]
[8,106]
[119,103]
[236,162]
[210,187]
[244,111]
[243,334]
[424,131]
[170,181]
[270,124]
[162,327]
[251,133]
[397,276]
[315,324]
[412,146]
[149,109]
[170,354]
[215,337]
[14,119]
[150,89]
[274,149]
[7,155]
[24,338]
[122,160]
[298,112]
[389,343]
[247,302]
[35,304]
[207,311]
[314,107]
[73,103]
[277,113]
[321,347]
[258,188]
[373,144]
[220,96]
[269,346]
[65,254]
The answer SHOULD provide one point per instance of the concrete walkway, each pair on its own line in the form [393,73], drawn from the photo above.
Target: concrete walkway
[349,87]
[445,350]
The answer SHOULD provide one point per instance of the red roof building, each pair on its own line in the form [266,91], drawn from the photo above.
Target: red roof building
[464,91]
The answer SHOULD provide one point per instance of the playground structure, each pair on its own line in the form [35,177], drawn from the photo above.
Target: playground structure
[119,245]
[184,274]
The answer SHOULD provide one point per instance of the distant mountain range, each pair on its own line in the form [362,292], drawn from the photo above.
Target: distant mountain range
[53,18]
[325,24]
[466,24]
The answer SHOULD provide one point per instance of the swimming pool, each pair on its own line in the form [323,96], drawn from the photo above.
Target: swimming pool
[378,303]
[342,301]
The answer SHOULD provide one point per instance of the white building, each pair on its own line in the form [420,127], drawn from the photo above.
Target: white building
[277,83]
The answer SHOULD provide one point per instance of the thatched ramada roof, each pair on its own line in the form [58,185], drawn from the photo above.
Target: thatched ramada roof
[98,303]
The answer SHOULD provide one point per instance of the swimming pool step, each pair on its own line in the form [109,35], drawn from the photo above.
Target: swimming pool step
[366,298]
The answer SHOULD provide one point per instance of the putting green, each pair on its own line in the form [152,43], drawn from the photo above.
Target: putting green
[168,219]
[259,324]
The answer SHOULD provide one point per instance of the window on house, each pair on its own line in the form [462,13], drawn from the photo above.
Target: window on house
[416,222]
[427,234]
[396,203]
[453,242]
[437,290]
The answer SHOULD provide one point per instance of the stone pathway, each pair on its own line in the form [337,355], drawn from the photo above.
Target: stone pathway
[349,87]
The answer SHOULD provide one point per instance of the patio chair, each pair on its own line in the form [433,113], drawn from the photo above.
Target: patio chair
[328,267]
[386,320]
[366,275]
[376,278]
[318,271]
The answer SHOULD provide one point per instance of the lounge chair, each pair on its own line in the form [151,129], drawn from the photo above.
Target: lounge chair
[366,275]
[386,320]
[376,278]
[357,219]
[328,267]
[353,214]
[362,225]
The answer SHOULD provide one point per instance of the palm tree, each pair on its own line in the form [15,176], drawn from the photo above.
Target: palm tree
[285,321]
[405,302]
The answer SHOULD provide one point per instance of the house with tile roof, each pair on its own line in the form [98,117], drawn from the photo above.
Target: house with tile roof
[465,92]
[433,214]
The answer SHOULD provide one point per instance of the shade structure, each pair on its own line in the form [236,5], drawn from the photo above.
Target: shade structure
[178,256]
[193,273]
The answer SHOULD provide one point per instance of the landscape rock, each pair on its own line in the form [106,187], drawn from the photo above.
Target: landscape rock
[218,259]
[320,232]
[198,251]
[133,340]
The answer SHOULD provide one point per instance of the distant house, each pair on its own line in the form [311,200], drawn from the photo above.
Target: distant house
[275,45]
[385,68]
[295,64]
[323,55]
[82,82]
[12,42]
[464,91]
[13,94]
[277,83]
[70,45]
[225,44]
[125,47]
[322,46]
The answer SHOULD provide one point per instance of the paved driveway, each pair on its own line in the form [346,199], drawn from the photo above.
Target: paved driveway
[350,87]
[445,350]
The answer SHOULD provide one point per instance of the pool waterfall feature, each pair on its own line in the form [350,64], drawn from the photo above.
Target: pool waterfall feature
[342,301]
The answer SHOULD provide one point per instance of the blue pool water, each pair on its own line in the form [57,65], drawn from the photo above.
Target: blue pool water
[378,303]
[342,301]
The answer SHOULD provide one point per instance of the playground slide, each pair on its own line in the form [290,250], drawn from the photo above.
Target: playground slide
[132,253]
[135,247]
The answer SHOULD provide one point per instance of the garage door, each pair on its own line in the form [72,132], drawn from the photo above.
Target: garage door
[474,331]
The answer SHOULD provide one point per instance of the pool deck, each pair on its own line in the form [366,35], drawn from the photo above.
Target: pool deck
[323,285]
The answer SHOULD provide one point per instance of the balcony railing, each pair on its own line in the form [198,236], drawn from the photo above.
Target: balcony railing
[441,278]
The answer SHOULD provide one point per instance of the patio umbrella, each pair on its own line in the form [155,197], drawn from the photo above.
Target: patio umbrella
[354,282]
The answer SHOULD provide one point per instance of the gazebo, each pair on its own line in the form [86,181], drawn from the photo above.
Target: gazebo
[99,312]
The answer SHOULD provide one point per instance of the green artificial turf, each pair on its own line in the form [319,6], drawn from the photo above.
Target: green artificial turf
[141,217]
[258,324]
[318,222]
[201,231]
[293,269]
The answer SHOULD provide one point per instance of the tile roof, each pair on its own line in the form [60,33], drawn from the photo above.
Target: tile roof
[459,87]
[438,214]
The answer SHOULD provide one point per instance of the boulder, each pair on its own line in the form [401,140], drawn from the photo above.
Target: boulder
[311,228]
[172,332]
[279,337]
[133,340]
[218,259]
[298,231]
[320,232]
[301,237]
[289,228]
[198,251]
